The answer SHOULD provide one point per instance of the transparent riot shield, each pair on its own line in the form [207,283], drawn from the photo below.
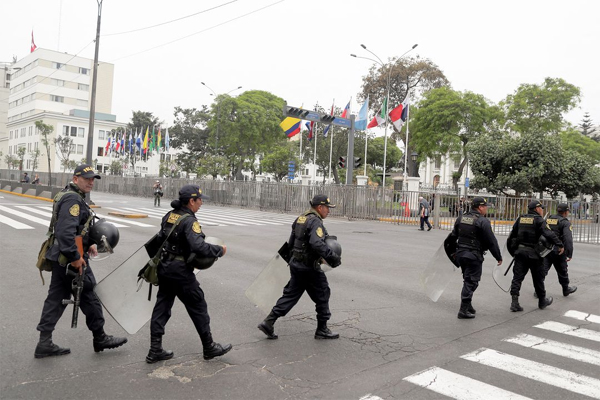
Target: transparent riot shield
[503,274]
[267,288]
[438,273]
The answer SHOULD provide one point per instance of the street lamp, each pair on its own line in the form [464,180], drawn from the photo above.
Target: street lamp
[387,96]
[218,108]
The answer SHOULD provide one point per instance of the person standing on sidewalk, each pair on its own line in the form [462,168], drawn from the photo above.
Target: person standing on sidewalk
[424,211]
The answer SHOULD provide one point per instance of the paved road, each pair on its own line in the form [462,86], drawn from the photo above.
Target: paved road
[395,342]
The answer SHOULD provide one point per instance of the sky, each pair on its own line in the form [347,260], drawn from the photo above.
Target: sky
[300,50]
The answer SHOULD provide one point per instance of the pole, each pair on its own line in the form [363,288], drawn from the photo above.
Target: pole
[315,153]
[387,100]
[406,145]
[330,151]
[350,154]
[365,160]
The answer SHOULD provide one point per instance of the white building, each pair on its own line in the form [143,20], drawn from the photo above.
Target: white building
[437,172]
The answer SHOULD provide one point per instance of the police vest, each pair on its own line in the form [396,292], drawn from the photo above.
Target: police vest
[527,235]
[176,244]
[301,249]
[467,232]
[554,222]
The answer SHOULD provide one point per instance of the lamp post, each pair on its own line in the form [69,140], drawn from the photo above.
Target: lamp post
[387,96]
[218,109]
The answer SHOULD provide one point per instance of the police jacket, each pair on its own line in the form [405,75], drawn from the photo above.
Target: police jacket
[474,233]
[561,226]
[528,229]
[307,241]
[72,213]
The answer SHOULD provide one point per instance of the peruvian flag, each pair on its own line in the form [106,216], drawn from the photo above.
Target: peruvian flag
[398,114]
[379,119]
[33,46]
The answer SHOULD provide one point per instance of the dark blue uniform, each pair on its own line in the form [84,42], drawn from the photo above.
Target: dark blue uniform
[561,226]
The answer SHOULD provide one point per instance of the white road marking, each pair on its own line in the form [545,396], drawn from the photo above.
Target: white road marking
[370,397]
[570,330]
[25,216]
[13,223]
[561,349]
[108,217]
[458,386]
[583,316]
[537,371]
[36,211]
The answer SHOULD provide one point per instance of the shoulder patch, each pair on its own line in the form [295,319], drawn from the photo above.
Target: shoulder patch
[173,218]
[552,221]
[301,219]
[526,220]
[74,210]
[196,227]
[320,232]
[571,228]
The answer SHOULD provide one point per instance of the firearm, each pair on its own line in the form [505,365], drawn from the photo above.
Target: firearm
[76,285]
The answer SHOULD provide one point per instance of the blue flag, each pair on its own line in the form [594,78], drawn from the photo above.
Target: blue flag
[361,122]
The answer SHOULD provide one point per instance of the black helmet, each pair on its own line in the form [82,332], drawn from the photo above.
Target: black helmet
[105,235]
[334,245]
[205,262]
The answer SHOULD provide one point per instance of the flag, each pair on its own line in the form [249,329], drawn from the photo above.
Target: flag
[159,139]
[346,110]
[361,122]
[33,46]
[326,130]
[131,148]
[310,126]
[138,140]
[145,144]
[167,142]
[118,146]
[123,142]
[152,140]
[380,118]
[291,126]
[107,146]
[113,142]
[398,114]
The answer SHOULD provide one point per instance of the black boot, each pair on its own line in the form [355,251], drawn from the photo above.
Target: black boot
[323,332]
[464,312]
[567,290]
[157,353]
[471,309]
[545,302]
[102,341]
[215,350]
[45,347]
[515,306]
[267,326]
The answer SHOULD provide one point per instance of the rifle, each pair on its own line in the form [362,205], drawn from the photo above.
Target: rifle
[76,285]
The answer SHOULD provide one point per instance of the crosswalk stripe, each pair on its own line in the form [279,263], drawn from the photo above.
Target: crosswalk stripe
[570,330]
[13,223]
[260,216]
[537,371]
[560,349]
[583,316]
[128,209]
[149,211]
[458,386]
[36,211]
[108,217]
[25,216]
[162,214]
[230,216]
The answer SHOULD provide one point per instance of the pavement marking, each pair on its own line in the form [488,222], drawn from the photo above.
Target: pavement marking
[370,397]
[583,316]
[14,224]
[234,217]
[36,211]
[570,330]
[458,386]
[560,349]
[25,216]
[129,222]
[129,209]
[548,374]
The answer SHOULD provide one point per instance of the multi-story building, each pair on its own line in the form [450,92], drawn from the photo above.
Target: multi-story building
[5,71]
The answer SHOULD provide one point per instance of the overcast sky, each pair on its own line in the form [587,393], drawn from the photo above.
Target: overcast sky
[300,50]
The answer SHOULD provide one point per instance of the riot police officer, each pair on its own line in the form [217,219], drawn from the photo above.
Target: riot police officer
[526,232]
[72,217]
[307,241]
[176,276]
[474,233]
[561,226]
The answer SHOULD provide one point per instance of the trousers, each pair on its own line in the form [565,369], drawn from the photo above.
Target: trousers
[59,289]
[525,261]
[471,267]
[314,282]
[560,265]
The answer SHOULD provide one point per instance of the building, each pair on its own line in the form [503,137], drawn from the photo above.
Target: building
[437,172]
[5,71]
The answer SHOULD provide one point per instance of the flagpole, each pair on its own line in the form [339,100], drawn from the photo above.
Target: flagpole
[406,144]
[331,143]
[365,161]
[315,154]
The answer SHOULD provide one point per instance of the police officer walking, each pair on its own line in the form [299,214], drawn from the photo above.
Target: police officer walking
[561,226]
[176,276]
[475,236]
[307,241]
[73,217]
[526,232]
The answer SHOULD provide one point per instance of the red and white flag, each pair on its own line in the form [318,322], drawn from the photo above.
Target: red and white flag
[379,119]
[33,46]
[398,114]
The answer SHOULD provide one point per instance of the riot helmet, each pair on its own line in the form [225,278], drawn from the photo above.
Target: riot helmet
[334,245]
[105,235]
[199,262]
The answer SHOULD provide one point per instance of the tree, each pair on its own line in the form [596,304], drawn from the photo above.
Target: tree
[213,165]
[35,155]
[21,156]
[116,167]
[587,128]
[375,150]
[11,161]
[277,160]
[63,146]
[190,135]
[45,132]
[574,140]
[142,120]
[540,108]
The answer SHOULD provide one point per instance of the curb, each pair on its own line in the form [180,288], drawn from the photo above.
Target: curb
[26,195]
[127,215]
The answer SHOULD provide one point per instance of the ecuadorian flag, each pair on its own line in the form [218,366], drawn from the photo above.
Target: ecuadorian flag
[291,126]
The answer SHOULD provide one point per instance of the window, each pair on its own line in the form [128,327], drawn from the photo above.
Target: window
[82,103]
[82,86]
[80,132]
[456,158]
[101,135]
[30,130]
[28,147]
[79,149]
[72,148]
[10,135]
[35,146]
[74,131]
[58,65]
[438,162]
[84,71]
[23,131]
[58,99]
[100,151]
[28,164]
[57,82]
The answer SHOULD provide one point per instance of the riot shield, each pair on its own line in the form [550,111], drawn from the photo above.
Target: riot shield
[502,274]
[438,273]
[267,288]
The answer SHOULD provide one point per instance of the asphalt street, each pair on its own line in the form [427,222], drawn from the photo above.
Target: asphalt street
[390,330]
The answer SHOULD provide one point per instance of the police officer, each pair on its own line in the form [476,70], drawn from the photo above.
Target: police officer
[561,226]
[307,241]
[73,217]
[176,276]
[525,235]
[475,236]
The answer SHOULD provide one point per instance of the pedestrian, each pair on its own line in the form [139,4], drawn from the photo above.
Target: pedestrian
[561,226]
[176,276]
[308,245]
[461,206]
[526,232]
[25,178]
[36,180]
[424,211]
[474,235]
[157,190]
[576,209]
[73,216]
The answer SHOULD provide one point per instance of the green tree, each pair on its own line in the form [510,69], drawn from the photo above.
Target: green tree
[116,167]
[375,150]
[21,156]
[276,161]
[35,156]
[45,133]
[11,161]
[190,134]
[587,128]
[574,140]
[140,120]
[214,165]
[63,146]
[540,108]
